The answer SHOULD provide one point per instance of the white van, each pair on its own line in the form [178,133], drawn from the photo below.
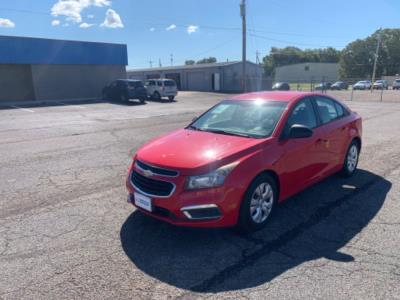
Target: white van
[159,88]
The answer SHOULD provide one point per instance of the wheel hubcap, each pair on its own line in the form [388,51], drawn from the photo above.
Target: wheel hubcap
[352,158]
[261,202]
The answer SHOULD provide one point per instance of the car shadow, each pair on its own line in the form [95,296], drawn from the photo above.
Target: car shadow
[163,100]
[127,103]
[314,224]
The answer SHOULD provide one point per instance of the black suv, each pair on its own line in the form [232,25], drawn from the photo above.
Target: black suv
[124,90]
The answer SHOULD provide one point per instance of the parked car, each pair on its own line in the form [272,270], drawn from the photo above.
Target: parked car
[362,85]
[124,90]
[396,84]
[159,88]
[339,85]
[323,86]
[281,86]
[380,85]
[234,163]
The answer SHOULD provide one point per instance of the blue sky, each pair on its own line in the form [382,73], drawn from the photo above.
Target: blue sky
[198,28]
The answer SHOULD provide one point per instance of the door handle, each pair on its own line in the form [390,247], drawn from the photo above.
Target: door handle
[322,140]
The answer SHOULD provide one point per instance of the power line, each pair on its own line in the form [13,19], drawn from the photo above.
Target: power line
[292,43]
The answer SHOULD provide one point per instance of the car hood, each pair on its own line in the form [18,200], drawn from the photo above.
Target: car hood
[191,151]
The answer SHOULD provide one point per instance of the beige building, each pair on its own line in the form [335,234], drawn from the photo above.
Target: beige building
[307,72]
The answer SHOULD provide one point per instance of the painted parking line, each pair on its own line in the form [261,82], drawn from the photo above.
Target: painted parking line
[74,105]
[24,109]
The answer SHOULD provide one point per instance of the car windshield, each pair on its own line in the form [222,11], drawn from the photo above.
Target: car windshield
[169,83]
[254,119]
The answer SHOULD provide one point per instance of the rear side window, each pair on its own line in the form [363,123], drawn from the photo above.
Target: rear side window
[340,110]
[169,83]
[326,109]
[302,114]
[135,83]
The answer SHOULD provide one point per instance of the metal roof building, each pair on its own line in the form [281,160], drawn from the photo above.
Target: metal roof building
[46,69]
[223,77]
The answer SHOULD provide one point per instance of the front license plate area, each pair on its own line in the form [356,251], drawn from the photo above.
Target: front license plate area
[143,202]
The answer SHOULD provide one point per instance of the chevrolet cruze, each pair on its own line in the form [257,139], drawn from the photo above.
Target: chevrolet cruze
[235,162]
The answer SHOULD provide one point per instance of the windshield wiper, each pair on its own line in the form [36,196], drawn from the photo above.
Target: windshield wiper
[192,127]
[220,131]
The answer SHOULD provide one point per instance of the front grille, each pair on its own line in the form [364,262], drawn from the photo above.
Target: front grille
[156,170]
[150,186]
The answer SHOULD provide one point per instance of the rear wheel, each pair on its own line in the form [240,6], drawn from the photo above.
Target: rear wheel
[258,204]
[171,98]
[157,96]
[351,159]
[124,98]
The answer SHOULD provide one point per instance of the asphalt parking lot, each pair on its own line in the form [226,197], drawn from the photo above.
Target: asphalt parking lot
[66,231]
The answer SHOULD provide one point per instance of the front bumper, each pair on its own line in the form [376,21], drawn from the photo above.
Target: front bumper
[214,207]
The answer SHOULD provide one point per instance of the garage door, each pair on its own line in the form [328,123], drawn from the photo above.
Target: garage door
[197,81]
[16,82]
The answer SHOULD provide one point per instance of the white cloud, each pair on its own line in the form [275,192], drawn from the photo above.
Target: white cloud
[85,25]
[152,29]
[170,27]
[90,16]
[55,22]
[72,9]
[192,29]
[112,20]
[6,23]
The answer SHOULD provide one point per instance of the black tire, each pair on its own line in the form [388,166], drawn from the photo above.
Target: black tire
[246,223]
[142,100]
[156,96]
[123,98]
[171,98]
[349,168]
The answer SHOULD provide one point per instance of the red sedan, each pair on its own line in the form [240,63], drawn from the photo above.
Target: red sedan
[234,163]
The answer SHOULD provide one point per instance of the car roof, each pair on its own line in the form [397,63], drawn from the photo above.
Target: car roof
[282,96]
[129,80]
[161,79]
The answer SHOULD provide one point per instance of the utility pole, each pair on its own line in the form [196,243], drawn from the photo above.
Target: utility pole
[378,44]
[172,59]
[159,62]
[257,57]
[151,63]
[244,31]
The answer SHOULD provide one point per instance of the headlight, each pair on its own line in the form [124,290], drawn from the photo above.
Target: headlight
[212,179]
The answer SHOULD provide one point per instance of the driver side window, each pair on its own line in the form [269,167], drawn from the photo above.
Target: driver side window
[302,114]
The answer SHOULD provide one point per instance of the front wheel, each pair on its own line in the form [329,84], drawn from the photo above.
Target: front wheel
[157,96]
[258,204]
[351,159]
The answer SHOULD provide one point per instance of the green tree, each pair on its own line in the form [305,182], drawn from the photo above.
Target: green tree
[190,62]
[357,58]
[208,60]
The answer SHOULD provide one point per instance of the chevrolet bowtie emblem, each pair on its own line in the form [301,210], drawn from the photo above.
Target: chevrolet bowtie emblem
[147,173]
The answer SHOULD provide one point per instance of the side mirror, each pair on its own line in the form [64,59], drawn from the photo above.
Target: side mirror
[300,131]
